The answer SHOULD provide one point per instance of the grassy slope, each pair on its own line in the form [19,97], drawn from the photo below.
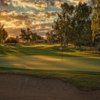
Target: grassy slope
[79,68]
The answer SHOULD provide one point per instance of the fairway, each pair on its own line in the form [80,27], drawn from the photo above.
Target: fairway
[78,67]
[51,63]
[45,57]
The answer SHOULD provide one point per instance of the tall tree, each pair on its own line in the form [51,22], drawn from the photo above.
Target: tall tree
[33,37]
[29,36]
[25,35]
[95,26]
[81,21]
[49,37]
[63,23]
[3,34]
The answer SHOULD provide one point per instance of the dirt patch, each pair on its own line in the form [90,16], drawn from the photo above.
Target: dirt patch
[20,87]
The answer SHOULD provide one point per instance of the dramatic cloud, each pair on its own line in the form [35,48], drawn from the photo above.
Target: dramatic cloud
[36,14]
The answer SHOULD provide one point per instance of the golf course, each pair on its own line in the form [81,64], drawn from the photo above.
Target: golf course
[47,61]
[44,71]
[49,49]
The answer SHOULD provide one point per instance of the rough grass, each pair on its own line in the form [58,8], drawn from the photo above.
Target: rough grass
[80,68]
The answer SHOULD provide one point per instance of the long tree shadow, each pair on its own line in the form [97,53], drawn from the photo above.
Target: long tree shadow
[29,50]
[52,51]
[42,50]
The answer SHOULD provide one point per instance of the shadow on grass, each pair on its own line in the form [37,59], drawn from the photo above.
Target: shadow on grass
[79,78]
[85,80]
[38,50]
[47,51]
[6,69]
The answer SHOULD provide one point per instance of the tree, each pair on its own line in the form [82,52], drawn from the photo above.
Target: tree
[25,35]
[49,38]
[81,23]
[63,24]
[11,40]
[97,41]
[95,26]
[74,24]
[3,34]
[33,37]
[96,23]
[29,36]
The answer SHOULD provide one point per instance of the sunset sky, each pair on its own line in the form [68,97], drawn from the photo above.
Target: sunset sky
[35,14]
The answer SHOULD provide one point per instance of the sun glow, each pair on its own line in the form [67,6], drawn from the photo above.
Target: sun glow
[25,13]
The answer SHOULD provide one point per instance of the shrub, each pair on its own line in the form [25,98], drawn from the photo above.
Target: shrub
[11,40]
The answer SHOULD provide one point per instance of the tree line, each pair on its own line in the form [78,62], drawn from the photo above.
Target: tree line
[77,25]
[26,36]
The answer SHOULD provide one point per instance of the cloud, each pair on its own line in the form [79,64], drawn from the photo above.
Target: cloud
[36,14]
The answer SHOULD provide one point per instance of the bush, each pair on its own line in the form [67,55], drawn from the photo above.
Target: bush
[11,40]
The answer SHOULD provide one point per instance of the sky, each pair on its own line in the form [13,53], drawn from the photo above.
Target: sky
[35,14]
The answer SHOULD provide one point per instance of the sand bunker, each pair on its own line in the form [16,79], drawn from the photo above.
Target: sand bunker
[20,87]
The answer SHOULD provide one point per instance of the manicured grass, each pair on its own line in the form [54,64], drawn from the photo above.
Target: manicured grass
[80,68]
[84,80]
[42,49]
